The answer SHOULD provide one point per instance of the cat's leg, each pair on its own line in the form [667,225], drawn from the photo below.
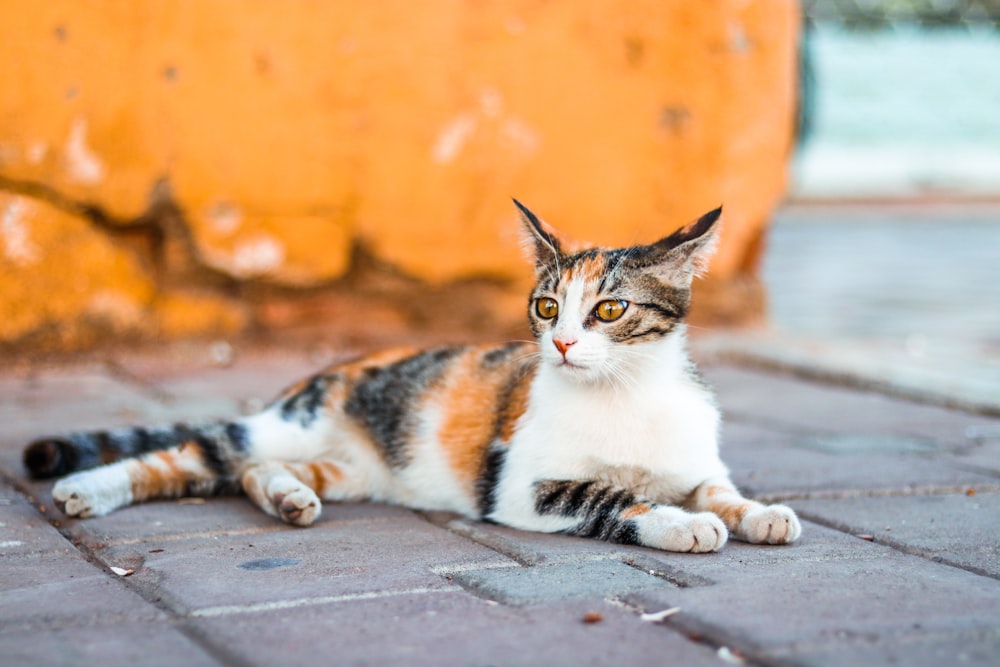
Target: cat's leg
[170,473]
[746,519]
[293,492]
[613,513]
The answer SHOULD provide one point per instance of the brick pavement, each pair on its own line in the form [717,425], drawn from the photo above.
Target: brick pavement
[899,562]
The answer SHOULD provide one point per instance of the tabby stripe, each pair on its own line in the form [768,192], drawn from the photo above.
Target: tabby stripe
[665,312]
[599,508]
[603,515]
[626,532]
[578,499]
[651,331]
[489,478]
[210,450]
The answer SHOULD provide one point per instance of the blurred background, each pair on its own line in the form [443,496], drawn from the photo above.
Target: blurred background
[226,173]
[883,265]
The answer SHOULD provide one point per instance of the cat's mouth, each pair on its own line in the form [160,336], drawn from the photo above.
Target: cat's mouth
[573,368]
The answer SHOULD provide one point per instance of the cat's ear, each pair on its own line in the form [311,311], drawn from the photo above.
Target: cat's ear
[546,244]
[685,253]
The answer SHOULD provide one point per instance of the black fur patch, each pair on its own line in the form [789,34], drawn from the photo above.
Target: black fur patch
[382,400]
[303,405]
[498,355]
[489,477]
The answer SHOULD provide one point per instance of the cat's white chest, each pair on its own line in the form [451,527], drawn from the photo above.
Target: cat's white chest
[572,431]
[667,427]
[659,441]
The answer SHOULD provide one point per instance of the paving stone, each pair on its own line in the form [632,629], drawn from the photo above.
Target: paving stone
[592,579]
[971,649]
[766,462]
[454,628]
[102,644]
[813,409]
[762,607]
[953,528]
[330,558]
[24,530]
[984,452]
[51,588]
[527,547]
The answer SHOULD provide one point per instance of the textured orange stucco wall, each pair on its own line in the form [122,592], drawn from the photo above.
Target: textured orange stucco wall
[156,158]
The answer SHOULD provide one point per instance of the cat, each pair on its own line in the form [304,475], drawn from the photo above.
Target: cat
[600,427]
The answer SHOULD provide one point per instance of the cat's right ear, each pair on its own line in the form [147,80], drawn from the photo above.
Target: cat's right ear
[547,249]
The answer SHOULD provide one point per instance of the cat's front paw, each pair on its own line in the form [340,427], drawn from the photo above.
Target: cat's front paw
[92,493]
[689,533]
[298,505]
[770,524]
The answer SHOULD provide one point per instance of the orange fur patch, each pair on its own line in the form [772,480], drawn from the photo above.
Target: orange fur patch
[472,416]
[588,271]
[635,510]
[324,475]
[731,513]
[468,403]
[516,406]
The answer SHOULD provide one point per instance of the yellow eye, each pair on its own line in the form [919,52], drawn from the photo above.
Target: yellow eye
[609,311]
[546,308]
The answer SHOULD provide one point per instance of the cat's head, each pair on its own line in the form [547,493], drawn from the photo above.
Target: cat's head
[599,313]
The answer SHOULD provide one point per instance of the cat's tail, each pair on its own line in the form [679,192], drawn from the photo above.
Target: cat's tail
[222,445]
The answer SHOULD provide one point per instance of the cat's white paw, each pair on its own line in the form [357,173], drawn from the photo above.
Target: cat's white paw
[771,524]
[680,531]
[93,492]
[294,502]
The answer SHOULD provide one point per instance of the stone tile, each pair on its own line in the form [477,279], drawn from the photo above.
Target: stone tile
[969,649]
[453,628]
[51,588]
[953,528]
[767,462]
[984,452]
[877,593]
[24,530]
[530,548]
[787,403]
[588,579]
[121,642]
[328,559]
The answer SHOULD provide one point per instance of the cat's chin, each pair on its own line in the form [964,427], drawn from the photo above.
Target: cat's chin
[577,372]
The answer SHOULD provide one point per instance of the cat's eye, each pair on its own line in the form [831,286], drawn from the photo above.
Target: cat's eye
[609,311]
[546,308]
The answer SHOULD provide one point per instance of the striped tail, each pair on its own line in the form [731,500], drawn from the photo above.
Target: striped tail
[223,444]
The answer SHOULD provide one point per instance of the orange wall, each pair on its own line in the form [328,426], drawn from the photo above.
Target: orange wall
[249,141]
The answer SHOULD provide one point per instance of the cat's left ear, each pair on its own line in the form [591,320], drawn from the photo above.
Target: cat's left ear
[685,253]
[547,247]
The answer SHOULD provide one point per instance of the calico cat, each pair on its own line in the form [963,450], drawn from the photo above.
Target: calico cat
[600,427]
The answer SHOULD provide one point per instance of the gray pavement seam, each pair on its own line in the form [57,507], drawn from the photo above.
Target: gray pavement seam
[277,605]
[838,494]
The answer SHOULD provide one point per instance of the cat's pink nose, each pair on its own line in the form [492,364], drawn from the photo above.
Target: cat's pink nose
[562,345]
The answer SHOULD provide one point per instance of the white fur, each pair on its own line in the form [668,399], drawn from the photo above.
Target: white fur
[276,439]
[95,492]
[429,482]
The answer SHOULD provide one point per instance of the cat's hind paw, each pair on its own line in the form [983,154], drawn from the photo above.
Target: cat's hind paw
[93,493]
[770,524]
[298,506]
[689,533]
